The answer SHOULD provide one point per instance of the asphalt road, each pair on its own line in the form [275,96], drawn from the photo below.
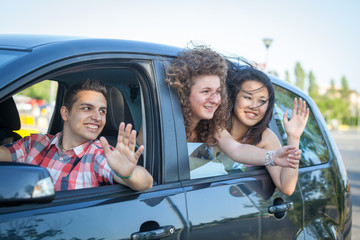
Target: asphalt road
[349,145]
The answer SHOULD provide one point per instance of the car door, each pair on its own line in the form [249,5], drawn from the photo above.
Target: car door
[240,205]
[322,179]
[106,212]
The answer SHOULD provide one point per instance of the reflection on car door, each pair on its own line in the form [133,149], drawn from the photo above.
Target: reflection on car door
[222,210]
[239,208]
[80,215]
[286,218]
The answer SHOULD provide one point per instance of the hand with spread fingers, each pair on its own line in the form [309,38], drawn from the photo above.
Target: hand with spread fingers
[296,125]
[123,159]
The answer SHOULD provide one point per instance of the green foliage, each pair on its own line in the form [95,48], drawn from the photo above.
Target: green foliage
[38,91]
[335,104]
[332,90]
[287,76]
[313,87]
[345,91]
[300,76]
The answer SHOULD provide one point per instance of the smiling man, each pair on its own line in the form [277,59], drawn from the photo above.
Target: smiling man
[74,157]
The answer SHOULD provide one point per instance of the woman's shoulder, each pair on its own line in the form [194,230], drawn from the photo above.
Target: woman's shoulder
[268,133]
[269,140]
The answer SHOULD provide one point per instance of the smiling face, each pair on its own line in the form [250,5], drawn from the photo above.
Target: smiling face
[205,97]
[251,103]
[85,120]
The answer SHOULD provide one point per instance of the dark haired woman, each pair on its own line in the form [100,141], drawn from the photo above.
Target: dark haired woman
[251,101]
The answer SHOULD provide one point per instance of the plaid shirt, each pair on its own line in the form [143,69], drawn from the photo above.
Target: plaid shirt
[81,167]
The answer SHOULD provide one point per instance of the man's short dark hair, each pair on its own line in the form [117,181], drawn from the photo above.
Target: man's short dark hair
[89,85]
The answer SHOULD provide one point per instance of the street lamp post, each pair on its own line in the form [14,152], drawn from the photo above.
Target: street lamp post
[267,42]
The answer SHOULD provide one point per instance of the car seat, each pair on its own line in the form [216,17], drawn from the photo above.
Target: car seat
[118,111]
[9,122]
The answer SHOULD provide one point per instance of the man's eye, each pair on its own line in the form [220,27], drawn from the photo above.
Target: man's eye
[103,112]
[86,108]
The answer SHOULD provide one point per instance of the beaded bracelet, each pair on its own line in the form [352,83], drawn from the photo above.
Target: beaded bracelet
[269,160]
[122,176]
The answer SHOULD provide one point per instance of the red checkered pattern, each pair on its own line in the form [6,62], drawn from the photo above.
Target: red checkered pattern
[81,167]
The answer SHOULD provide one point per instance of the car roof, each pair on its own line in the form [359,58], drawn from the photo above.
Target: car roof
[28,42]
[32,42]
[22,54]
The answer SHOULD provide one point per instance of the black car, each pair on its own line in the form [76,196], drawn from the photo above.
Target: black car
[239,205]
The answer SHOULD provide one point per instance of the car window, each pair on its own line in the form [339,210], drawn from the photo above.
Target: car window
[39,105]
[208,161]
[36,106]
[312,143]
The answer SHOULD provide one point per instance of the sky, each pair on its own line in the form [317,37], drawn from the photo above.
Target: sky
[323,35]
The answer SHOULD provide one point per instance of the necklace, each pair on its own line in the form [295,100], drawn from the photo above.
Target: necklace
[62,150]
[61,145]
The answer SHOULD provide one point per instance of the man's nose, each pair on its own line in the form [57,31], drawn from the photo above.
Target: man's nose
[96,115]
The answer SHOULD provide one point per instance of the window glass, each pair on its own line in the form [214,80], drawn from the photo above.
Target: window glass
[207,161]
[312,143]
[36,105]
[204,162]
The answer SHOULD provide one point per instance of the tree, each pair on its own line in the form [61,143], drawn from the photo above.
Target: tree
[332,90]
[300,76]
[345,91]
[313,87]
[287,76]
[345,96]
[38,91]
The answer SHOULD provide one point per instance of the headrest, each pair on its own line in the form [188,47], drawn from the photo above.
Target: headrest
[118,111]
[9,117]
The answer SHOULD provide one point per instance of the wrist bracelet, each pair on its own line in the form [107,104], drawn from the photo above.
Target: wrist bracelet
[269,160]
[122,176]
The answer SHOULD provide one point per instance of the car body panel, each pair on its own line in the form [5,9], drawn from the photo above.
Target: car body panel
[117,216]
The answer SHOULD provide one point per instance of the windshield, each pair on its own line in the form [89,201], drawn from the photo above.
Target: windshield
[7,56]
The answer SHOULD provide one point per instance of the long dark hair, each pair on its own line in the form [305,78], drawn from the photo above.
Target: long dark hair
[237,75]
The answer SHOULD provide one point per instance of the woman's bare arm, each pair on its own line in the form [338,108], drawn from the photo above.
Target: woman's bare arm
[287,156]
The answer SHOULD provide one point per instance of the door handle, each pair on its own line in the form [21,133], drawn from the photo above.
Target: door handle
[281,208]
[161,232]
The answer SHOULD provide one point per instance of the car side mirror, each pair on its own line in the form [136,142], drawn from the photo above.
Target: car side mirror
[22,183]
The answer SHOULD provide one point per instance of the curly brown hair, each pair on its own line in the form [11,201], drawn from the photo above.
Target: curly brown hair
[191,63]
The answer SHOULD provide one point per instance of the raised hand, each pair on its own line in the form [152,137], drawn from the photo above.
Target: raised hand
[295,127]
[287,156]
[123,159]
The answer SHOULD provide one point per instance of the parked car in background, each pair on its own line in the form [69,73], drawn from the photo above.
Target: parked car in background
[238,205]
